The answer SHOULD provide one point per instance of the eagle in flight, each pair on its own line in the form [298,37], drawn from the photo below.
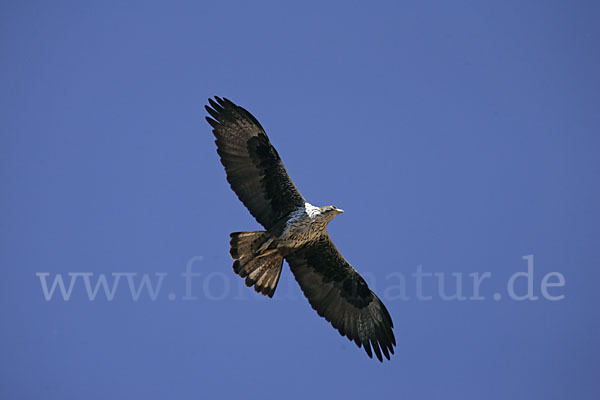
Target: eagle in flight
[296,231]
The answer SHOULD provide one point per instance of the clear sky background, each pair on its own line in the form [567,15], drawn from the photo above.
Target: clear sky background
[459,136]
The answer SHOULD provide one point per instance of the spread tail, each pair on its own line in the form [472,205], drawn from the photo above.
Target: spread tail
[254,260]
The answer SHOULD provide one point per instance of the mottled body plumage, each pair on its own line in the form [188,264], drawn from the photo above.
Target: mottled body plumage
[305,225]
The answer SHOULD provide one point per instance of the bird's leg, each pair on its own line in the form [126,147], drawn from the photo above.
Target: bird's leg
[262,250]
[267,253]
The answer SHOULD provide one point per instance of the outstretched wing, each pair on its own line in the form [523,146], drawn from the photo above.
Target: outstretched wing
[340,295]
[254,169]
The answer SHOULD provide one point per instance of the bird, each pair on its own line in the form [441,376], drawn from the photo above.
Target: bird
[296,231]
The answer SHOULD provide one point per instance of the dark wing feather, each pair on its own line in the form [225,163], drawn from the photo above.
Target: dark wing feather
[254,169]
[340,295]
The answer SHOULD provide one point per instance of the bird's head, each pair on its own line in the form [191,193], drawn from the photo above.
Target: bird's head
[330,211]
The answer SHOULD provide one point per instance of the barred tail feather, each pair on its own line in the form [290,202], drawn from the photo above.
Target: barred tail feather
[260,271]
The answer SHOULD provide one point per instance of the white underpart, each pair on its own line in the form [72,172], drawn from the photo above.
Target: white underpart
[300,215]
[311,210]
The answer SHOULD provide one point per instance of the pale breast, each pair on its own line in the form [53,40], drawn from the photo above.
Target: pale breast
[303,226]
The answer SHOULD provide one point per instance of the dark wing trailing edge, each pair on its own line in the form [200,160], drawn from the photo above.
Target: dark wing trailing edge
[340,295]
[254,169]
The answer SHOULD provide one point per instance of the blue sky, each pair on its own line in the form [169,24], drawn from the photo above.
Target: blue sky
[458,136]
